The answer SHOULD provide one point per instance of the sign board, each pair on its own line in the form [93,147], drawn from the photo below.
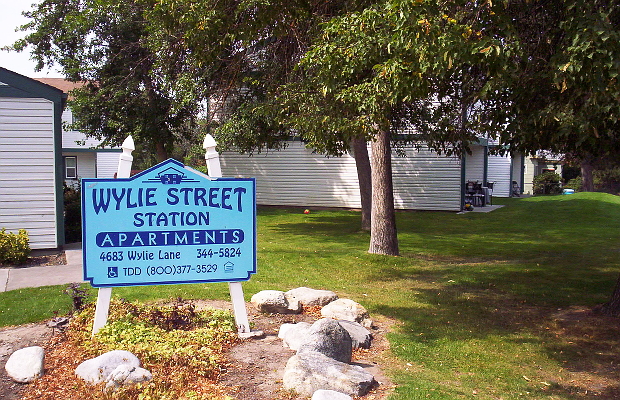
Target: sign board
[169,224]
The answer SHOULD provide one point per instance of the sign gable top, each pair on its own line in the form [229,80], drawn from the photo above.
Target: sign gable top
[170,171]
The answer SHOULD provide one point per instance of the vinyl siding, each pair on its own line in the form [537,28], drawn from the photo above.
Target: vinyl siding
[474,164]
[86,165]
[499,172]
[297,177]
[75,139]
[27,169]
[107,164]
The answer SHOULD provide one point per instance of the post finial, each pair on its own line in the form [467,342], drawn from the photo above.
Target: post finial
[128,144]
[209,142]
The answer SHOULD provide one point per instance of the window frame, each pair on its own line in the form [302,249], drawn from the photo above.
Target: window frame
[74,168]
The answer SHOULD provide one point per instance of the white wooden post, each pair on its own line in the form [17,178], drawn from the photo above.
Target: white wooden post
[105,294]
[236,290]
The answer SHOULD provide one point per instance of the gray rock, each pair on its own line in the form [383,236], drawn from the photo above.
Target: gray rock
[99,369]
[360,336]
[310,371]
[26,365]
[275,302]
[323,394]
[328,337]
[294,335]
[127,375]
[347,310]
[311,297]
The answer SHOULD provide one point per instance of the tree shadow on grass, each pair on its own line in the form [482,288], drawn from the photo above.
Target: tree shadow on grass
[567,352]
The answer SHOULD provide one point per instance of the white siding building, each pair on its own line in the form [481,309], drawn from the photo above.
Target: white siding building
[82,157]
[296,176]
[30,154]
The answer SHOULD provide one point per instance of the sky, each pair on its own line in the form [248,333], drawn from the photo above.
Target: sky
[10,18]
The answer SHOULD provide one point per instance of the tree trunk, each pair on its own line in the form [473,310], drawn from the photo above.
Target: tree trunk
[383,237]
[612,307]
[362,163]
[162,154]
[587,170]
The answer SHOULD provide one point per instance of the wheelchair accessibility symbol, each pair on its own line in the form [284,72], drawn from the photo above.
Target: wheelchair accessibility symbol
[112,272]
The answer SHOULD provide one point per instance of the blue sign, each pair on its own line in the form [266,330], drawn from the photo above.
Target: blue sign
[169,224]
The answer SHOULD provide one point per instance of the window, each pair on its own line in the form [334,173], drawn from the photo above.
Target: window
[71,168]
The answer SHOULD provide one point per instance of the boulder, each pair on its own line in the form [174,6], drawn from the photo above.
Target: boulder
[310,371]
[275,302]
[26,365]
[360,336]
[127,375]
[311,297]
[294,335]
[328,337]
[323,394]
[347,310]
[99,369]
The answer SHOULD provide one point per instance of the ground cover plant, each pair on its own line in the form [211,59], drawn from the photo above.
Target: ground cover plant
[485,305]
[182,347]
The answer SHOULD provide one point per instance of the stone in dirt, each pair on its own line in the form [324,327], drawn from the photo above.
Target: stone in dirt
[127,375]
[99,369]
[327,336]
[294,335]
[311,297]
[360,336]
[322,394]
[347,310]
[275,302]
[310,371]
[26,365]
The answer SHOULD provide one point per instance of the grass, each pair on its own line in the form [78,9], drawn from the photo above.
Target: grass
[475,296]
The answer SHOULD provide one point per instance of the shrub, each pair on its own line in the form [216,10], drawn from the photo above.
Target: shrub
[73,214]
[607,180]
[547,183]
[14,248]
[574,184]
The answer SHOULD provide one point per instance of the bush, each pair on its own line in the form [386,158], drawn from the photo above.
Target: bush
[547,183]
[607,180]
[14,248]
[574,184]
[73,214]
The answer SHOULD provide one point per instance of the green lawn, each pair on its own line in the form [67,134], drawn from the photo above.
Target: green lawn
[474,295]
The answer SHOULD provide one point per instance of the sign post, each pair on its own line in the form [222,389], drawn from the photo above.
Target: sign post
[169,224]
[212,159]
[104,295]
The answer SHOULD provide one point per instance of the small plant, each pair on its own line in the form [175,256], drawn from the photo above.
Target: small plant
[547,183]
[14,248]
[78,295]
[181,346]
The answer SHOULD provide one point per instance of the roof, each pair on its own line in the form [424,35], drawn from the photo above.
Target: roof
[17,85]
[61,83]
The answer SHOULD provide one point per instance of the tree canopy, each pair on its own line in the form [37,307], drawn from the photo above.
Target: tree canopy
[535,74]
[104,44]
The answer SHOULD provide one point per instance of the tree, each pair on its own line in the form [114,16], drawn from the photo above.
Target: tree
[103,43]
[563,86]
[564,78]
[260,44]
[374,71]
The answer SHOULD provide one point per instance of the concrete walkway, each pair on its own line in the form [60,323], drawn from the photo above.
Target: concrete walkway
[17,278]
